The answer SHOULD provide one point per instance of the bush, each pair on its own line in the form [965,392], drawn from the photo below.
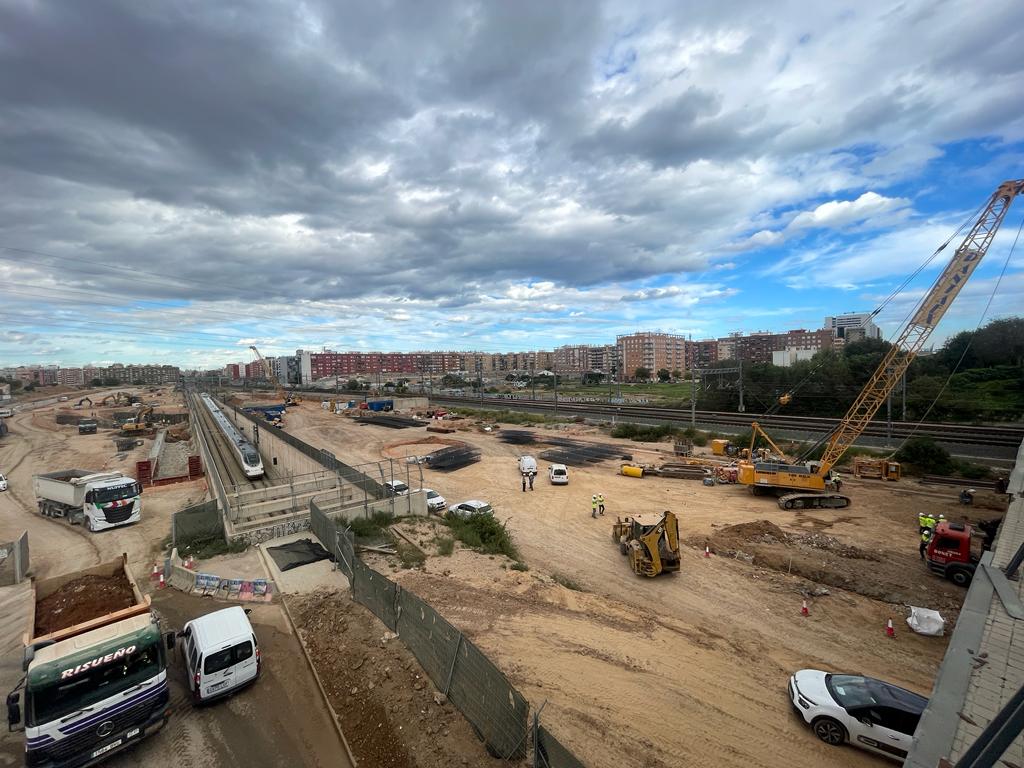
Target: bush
[643,434]
[926,456]
[700,440]
[485,533]
[204,549]
[973,471]
[565,581]
[410,556]
[445,546]
[368,527]
[520,566]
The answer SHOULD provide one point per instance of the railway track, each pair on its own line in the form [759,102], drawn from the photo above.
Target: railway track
[1002,436]
[231,474]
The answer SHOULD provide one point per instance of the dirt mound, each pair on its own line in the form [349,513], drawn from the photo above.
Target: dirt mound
[382,696]
[759,531]
[82,599]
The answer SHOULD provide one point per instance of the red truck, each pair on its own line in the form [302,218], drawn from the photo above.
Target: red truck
[949,553]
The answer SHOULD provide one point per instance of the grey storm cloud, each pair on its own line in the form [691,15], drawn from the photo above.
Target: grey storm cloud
[331,151]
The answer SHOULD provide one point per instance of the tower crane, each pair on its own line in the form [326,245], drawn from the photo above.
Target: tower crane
[808,482]
[286,398]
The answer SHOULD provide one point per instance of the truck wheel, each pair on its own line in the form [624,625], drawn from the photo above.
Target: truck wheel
[961,577]
[623,548]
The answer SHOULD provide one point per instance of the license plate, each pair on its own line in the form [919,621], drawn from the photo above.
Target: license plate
[218,686]
[107,748]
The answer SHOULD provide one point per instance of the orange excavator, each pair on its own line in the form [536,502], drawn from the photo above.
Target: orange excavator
[810,484]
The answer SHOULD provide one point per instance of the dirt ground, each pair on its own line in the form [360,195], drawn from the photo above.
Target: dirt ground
[393,716]
[708,650]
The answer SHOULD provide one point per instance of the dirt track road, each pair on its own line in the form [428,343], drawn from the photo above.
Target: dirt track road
[281,720]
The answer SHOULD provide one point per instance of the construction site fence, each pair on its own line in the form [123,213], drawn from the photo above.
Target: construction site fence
[326,459]
[14,561]
[154,418]
[548,752]
[201,522]
[455,665]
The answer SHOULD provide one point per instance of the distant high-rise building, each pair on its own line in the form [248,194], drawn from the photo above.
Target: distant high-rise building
[651,350]
[840,324]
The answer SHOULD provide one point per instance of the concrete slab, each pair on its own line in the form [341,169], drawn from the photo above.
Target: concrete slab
[305,578]
[242,565]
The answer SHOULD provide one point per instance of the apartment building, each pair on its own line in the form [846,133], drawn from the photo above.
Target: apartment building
[860,324]
[651,350]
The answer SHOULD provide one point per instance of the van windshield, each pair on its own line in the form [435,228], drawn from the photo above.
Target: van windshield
[66,695]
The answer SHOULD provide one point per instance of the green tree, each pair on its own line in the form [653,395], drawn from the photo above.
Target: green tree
[664,374]
[352,384]
[642,374]
[96,383]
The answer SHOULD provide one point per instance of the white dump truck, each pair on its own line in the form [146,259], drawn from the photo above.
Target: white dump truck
[95,666]
[99,499]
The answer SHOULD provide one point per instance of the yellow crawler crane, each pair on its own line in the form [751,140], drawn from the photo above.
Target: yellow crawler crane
[651,542]
[810,481]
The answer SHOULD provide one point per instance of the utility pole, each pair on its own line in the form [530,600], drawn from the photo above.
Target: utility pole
[693,398]
[554,370]
[888,412]
[742,408]
[533,376]
[903,410]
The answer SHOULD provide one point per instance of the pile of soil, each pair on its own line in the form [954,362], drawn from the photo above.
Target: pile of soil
[83,599]
[729,539]
[392,715]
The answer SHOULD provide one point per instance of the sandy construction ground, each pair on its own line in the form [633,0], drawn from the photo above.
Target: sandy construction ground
[684,669]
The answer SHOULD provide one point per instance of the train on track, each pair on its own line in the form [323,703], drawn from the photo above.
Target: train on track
[246,455]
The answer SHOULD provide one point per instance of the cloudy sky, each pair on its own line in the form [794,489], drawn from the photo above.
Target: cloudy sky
[178,180]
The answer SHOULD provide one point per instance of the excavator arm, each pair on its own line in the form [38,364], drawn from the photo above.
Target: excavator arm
[926,316]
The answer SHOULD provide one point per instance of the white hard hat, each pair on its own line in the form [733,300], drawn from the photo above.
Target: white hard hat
[970,490]
[941,516]
[594,496]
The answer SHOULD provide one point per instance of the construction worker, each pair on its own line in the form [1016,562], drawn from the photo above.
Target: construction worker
[600,503]
[967,496]
[524,483]
[532,475]
[593,506]
[924,522]
[1000,487]
[926,536]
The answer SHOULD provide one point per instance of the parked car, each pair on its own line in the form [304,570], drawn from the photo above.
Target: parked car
[395,488]
[435,501]
[528,465]
[558,474]
[472,507]
[221,653]
[867,713]
[3,483]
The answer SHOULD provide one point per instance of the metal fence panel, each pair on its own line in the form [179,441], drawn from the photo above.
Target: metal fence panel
[432,640]
[346,552]
[487,699]
[548,752]
[196,523]
[376,592]
[14,560]
[322,526]
[23,561]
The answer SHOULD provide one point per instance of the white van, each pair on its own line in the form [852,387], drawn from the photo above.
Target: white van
[6,413]
[558,474]
[528,465]
[221,653]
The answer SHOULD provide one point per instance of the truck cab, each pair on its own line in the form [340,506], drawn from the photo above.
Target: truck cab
[949,553]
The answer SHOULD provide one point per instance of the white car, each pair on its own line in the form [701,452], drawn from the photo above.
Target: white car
[558,474]
[3,483]
[396,488]
[868,713]
[435,501]
[470,508]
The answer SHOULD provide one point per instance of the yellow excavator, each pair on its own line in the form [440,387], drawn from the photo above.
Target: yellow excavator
[812,484]
[286,398]
[650,541]
[138,422]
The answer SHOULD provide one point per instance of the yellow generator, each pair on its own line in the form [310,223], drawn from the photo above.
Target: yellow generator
[650,541]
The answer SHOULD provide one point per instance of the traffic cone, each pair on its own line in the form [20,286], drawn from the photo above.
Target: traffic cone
[162,584]
[803,609]
[889,631]
[707,551]
[155,572]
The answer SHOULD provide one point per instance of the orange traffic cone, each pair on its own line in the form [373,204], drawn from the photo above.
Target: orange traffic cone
[162,584]
[707,551]
[889,631]
[155,572]
[803,609]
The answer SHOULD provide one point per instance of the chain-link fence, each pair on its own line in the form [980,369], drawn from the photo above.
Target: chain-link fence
[201,522]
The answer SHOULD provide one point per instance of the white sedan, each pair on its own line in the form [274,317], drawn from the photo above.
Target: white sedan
[469,508]
[868,713]
[435,501]
[3,483]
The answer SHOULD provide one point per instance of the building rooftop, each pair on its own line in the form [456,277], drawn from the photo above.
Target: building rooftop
[984,663]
